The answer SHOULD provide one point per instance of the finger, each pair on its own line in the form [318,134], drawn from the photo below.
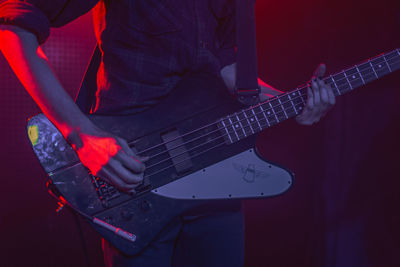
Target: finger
[125,147]
[318,105]
[331,95]
[113,179]
[316,93]
[305,118]
[320,71]
[131,151]
[130,162]
[123,173]
[310,100]
[323,93]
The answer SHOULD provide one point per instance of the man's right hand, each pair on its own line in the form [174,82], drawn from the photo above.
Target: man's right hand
[108,157]
[105,155]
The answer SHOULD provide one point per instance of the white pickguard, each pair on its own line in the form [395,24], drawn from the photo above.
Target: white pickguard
[244,175]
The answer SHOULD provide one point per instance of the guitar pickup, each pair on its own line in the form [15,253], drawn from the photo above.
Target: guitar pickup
[177,151]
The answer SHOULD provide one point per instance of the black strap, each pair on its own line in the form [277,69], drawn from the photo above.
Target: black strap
[86,98]
[247,88]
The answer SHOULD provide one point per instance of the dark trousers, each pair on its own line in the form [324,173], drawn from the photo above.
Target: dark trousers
[207,238]
[213,239]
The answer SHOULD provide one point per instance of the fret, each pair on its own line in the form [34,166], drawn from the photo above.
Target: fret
[248,122]
[278,109]
[367,72]
[245,123]
[342,82]
[380,67]
[254,117]
[354,78]
[287,105]
[265,116]
[227,132]
[270,113]
[387,64]
[298,101]
[347,79]
[304,96]
[291,101]
[393,60]
[358,70]
[273,112]
[232,133]
[376,75]
[284,111]
[237,125]
[335,85]
[234,128]
[262,118]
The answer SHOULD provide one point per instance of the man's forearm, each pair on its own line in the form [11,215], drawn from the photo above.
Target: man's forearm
[29,63]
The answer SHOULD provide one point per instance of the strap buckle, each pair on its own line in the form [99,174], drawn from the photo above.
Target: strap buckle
[248,97]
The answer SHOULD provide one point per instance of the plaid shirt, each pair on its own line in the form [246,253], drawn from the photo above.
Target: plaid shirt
[147,45]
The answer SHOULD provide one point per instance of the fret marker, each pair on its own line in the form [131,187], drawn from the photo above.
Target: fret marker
[247,118]
[259,125]
[347,79]
[354,76]
[359,73]
[268,113]
[380,66]
[237,126]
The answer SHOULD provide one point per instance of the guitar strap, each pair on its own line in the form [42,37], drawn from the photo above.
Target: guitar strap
[246,89]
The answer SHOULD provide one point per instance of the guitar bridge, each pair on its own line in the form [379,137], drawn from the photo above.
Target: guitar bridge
[105,191]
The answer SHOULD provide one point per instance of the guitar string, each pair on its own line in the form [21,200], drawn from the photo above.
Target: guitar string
[262,110]
[209,141]
[215,124]
[267,109]
[188,151]
[250,124]
[182,161]
[222,136]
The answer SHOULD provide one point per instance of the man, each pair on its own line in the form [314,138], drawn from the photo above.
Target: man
[148,47]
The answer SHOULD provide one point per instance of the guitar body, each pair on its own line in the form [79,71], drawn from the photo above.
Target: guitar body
[187,170]
[201,145]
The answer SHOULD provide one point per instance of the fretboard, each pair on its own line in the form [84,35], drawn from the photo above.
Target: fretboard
[280,108]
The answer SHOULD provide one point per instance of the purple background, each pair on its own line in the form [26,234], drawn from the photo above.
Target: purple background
[343,208]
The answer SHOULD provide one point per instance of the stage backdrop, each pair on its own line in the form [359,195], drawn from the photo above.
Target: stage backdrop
[342,210]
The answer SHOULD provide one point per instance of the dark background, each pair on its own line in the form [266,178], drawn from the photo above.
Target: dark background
[343,209]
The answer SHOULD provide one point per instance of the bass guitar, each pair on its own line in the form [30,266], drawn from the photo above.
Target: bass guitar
[201,147]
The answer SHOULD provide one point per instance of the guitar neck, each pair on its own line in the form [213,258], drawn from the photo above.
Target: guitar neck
[285,106]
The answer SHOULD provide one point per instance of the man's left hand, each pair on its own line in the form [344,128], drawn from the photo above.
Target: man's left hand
[320,99]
